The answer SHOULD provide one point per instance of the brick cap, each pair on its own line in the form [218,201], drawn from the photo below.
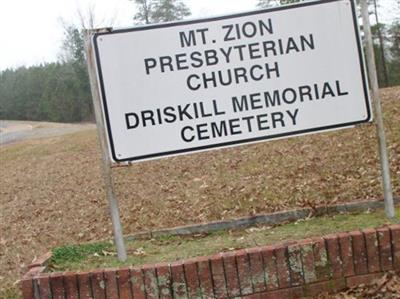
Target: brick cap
[41,261]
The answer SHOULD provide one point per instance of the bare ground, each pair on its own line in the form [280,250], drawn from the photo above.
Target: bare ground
[51,188]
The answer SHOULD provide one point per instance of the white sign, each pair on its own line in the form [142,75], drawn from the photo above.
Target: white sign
[188,86]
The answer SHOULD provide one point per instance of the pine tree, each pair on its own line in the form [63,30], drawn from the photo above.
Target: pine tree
[169,10]
[143,16]
[158,11]
[394,66]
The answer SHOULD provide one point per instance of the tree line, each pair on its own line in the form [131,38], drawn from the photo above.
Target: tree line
[60,91]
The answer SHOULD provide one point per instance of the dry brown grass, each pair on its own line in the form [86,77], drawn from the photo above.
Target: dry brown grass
[51,189]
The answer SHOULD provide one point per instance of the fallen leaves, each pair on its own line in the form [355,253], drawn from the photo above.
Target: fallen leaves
[387,287]
[51,190]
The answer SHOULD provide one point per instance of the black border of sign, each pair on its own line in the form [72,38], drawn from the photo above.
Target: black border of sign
[244,141]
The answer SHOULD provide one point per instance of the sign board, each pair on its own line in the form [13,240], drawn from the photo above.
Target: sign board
[195,85]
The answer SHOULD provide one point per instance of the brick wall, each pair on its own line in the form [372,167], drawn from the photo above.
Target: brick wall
[292,270]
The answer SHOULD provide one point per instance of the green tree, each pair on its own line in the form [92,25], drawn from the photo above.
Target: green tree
[394,50]
[52,92]
[61,99]
[20,93]
[379,28]
[158,11]
[169,10]
[73,54]
[73,48]
[144,14]
[379,39]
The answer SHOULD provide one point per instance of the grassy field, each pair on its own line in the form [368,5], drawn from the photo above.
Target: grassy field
[51,189]
[174,248]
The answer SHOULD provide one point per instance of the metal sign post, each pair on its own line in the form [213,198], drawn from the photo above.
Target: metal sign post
[112,201]
[387,186]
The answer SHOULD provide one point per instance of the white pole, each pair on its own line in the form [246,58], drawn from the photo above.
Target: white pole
[107,175]
[370,56]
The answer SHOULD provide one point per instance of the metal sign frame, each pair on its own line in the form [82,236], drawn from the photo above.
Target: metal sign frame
[114,155]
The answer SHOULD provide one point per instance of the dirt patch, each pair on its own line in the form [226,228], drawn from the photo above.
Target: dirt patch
[51,190]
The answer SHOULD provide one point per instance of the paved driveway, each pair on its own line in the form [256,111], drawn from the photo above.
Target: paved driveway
[14,131]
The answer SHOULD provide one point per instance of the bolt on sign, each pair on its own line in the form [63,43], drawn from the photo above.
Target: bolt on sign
[188,86]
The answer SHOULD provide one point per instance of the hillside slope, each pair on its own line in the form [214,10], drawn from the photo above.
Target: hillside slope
[51,189]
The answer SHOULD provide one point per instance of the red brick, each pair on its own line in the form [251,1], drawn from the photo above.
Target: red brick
[150,282]
[192,279]
[217,270]
[346,252]
[57,286]
[126,283]
[295,265]
[232,278]
[307,256]
[98,285]
[359,251]
[71,285]
[371,243]
[203,265]
[335,261]
[43,283]
[28,284]
[178,280]
[321,263]
[110,278]
[84,285]
[270,270]
[282,266]
[385,249]
[164,281]
[243,266]
[257,270]
[395,234]
[331,286]
[27,288]
[366,279]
